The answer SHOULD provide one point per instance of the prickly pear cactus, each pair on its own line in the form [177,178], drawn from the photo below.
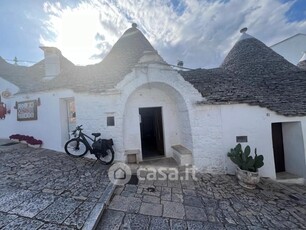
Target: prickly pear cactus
[244,160]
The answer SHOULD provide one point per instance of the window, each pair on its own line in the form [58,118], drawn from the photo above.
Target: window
[241,139]
[110,121]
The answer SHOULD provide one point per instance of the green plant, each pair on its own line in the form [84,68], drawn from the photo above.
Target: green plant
[244,160]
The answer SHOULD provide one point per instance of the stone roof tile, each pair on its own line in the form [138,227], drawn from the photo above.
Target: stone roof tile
[283,93]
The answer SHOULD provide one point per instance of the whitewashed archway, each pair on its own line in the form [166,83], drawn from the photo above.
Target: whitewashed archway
[175,116]
[164,82]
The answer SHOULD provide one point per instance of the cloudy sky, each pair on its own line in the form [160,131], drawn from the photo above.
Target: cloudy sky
[199,32]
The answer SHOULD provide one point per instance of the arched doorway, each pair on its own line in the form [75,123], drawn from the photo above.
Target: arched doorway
[155,118]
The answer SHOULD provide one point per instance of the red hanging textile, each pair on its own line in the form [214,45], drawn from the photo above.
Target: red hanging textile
[2,110]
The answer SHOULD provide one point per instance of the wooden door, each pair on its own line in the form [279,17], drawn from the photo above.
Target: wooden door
[159,130]
[151,130]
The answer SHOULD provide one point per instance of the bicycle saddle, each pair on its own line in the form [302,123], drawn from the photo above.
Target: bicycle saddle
[96,134]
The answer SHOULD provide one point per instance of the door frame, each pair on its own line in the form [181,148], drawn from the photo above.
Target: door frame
[64,112]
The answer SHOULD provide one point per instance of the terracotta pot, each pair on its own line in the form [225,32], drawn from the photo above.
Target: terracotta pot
[15,140]
[247,179]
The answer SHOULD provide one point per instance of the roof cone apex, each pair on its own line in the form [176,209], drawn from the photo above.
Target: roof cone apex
[123,56]
[133,30]
[245,36]
[243,30]
[250,56]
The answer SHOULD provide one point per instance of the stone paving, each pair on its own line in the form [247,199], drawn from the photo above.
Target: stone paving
[211,202]
[44,189]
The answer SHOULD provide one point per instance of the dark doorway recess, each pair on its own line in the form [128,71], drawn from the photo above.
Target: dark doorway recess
[278,147]
[151,129]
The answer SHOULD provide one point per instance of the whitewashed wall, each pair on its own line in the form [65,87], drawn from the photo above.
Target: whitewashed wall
[48,125]
[5,85]
[218,126]
[92,112]
[208,152]
[294,148]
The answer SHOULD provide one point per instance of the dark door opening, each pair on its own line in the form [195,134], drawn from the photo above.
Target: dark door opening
[278,147]
[151,129]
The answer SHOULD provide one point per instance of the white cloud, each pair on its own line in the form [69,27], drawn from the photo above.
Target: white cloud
[198,32]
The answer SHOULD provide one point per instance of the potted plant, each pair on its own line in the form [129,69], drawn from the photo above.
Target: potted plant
[23,139]
[29,140]
[247,166]
[34,143]
[15,137]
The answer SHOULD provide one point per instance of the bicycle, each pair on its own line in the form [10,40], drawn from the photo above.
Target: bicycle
[79,146]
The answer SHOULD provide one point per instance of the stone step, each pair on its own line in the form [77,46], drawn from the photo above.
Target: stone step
[132,156]
[182,155]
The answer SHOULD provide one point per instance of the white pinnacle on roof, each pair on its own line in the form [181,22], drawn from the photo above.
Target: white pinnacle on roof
[302,62]
[244,34]
[303,57]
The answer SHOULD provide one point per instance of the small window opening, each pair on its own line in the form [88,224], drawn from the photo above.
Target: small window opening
[241,139]
[110,121]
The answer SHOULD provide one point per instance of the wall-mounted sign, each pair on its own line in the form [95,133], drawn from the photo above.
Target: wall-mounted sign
[27,110]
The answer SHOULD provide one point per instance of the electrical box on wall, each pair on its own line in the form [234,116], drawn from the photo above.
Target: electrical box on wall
[110,121]
[241,139]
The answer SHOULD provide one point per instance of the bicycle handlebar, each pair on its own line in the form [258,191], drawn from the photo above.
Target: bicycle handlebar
[78,128]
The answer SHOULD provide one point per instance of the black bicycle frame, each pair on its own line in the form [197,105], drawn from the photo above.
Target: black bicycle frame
[83,136]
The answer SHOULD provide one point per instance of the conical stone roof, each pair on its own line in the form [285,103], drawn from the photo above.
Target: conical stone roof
[97,78]
[253,73]
[250,56]
[120,61]
[30,79]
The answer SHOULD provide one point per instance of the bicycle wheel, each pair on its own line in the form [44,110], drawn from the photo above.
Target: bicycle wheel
[76,147]
[108,159]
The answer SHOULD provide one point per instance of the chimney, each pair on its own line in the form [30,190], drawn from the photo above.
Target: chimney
[52,61]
